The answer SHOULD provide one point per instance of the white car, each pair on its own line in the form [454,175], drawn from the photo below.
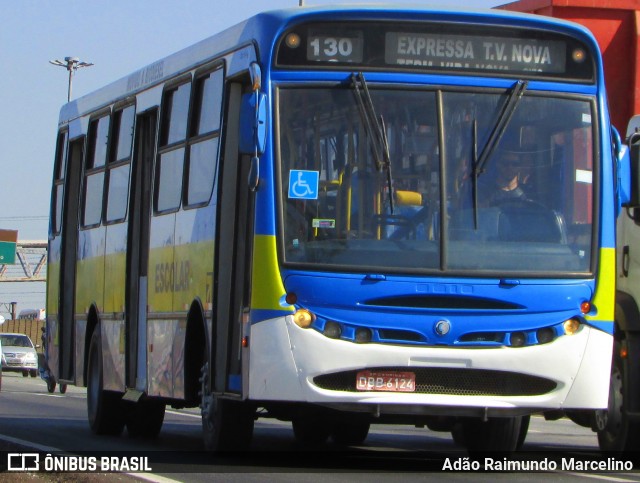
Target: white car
[19,354]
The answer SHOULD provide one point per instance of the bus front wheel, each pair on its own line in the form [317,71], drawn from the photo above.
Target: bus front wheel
[615,431]
[227,425]
[350,433]
[310,430]
[104,408]
[495,434]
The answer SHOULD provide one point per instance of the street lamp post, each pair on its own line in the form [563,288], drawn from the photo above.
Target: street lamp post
[71,64]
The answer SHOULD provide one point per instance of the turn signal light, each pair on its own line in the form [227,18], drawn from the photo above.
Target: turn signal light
[571,326]
[303,318]
[585,307]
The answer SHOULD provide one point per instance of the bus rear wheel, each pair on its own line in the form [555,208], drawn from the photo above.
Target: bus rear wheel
[227,425]
[495,434]
[104,408]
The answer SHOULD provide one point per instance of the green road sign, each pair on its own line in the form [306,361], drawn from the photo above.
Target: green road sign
[8,244]
[7,253]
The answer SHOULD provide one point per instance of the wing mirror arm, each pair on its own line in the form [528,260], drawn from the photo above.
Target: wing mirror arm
[253,125]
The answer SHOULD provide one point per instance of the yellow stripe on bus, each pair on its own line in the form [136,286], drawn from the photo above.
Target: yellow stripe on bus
[267,289]
[604,299]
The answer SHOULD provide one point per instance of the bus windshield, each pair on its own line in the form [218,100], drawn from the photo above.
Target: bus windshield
[466,188]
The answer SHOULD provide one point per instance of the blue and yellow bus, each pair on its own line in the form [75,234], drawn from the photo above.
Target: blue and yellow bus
[339,217]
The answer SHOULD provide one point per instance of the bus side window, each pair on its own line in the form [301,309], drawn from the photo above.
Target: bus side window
[175,110]
[205,135]
[95,162]
[119,164]
[58,182]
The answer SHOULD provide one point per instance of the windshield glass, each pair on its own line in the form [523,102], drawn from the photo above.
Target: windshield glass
[527,207]
[15,341]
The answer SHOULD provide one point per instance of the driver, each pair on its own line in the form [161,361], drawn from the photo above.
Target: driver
[509,180]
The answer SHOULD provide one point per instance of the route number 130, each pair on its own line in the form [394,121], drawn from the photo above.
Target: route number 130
[340,49]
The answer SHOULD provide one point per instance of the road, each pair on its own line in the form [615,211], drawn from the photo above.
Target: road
[48,423]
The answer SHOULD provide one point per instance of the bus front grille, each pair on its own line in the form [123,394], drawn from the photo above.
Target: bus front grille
[449,381]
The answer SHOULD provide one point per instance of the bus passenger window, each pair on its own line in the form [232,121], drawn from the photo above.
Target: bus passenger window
[119,164]
[202,165]
[94,171]
[118,193]
[58,182]
[169,176]
[203,150]
[175,108]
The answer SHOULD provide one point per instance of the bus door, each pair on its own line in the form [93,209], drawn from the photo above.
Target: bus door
[138,250]
[233,253]
[68,259]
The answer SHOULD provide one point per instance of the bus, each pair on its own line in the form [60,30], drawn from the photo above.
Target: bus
[341,217]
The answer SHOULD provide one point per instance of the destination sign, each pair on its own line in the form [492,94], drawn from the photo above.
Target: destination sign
[465,52]
[436,47]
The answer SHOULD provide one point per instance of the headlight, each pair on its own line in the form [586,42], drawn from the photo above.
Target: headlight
[30,356]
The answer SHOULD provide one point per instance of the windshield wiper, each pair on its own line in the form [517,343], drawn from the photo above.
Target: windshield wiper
[500,126]
[376,132]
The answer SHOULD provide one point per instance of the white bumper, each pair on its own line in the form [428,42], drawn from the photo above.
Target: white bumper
[284,359]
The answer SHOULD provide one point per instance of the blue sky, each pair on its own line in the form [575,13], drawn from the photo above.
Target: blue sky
[118,37]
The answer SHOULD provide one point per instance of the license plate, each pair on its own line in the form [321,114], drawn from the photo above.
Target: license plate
[386,381]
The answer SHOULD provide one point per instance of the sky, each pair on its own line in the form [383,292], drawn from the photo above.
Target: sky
[118,37]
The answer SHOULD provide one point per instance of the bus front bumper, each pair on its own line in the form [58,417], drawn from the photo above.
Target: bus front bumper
[288,363]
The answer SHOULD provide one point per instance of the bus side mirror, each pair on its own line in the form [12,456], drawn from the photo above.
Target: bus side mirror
[633,163]
[253,123]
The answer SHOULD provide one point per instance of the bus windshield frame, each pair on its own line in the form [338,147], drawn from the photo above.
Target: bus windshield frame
[435,136]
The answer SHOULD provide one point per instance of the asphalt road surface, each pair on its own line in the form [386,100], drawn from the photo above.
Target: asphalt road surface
[34,421]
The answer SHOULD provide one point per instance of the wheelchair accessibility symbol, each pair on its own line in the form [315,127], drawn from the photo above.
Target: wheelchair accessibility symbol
[303,184]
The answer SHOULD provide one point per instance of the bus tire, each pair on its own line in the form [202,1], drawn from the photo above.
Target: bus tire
[494,435]
[350,433]
[104,408]
[618,433]
[309,430]
[457,433]
[524,429]
[227,425]
[144,419]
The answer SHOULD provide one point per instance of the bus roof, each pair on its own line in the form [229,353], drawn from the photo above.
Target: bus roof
[257,30]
